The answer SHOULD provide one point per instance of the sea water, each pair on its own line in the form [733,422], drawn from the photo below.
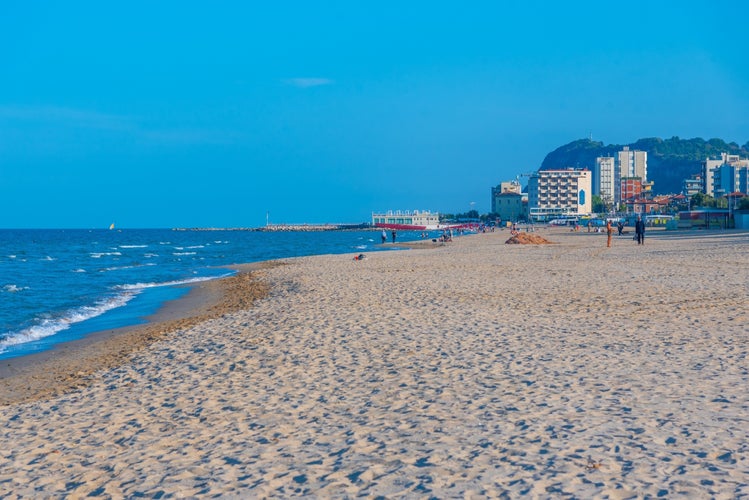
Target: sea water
[59,285]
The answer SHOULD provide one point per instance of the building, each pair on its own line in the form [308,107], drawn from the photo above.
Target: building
[729,178]
[708,166]
[509,187]
[690,187]
[633,163]
[709,169]
[559,192]
[631,188]
[406,220]
[646,206]
[509,206]
[604,179]
[500,201]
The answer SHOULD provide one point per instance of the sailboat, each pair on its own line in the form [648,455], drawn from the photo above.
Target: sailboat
[111,226]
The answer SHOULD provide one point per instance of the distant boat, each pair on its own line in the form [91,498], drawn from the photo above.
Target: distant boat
[111,226]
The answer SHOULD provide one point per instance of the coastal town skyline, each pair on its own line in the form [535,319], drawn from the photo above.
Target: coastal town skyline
[241,115]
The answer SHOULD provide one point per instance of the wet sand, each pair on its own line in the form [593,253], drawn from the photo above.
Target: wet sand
[69,365]
[471,369]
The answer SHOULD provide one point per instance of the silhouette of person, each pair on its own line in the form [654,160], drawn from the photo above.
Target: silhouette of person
[609,232]
[640,230]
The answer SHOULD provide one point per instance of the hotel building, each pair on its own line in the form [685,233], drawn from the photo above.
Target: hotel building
[605,179]
[559,192]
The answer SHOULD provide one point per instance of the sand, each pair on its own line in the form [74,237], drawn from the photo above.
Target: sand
[470,369]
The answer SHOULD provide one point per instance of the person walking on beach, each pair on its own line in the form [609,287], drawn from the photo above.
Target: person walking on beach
[384,237]
[609,232]
[393,234]
[640,230]
[620,227]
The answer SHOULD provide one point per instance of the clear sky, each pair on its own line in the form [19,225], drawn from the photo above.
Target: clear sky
[200,114]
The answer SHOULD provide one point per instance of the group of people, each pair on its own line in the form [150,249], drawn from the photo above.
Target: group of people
[639,231]
[393,234]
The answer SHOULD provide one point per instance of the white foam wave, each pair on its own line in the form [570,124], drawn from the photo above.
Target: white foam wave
[79,270]
[133,246]
[48,258]
[150,255]
[134,266]
[51,326]
[99,255]
[14,288]
[184,253]
[195,246]
[140,286]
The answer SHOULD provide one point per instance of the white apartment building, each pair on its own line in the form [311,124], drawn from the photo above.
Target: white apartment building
[633,163]
[605,180]
[709,168]
[560,192]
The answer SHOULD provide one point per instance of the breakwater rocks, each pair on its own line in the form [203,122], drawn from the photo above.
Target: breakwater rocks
[286,227]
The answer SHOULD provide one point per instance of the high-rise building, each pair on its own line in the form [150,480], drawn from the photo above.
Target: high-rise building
[560,192]
[721,177]
[604,179]
[633,163]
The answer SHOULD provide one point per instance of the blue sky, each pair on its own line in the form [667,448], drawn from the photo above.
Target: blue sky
[200,114]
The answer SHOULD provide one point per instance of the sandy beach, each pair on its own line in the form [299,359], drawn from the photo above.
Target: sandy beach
[472,369]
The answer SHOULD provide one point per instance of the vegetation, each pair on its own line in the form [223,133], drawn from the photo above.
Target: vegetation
[670,161]
[471,215]
[599,206]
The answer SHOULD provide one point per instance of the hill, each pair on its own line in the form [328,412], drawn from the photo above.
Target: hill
[670,161]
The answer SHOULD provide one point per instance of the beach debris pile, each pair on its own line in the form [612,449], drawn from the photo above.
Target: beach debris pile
[527,239]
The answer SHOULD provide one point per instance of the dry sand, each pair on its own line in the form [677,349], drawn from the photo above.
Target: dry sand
[472,369]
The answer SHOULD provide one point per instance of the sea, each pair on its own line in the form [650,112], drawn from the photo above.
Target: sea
[58,285]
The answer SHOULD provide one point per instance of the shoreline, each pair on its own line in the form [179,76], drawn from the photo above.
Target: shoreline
[69,365]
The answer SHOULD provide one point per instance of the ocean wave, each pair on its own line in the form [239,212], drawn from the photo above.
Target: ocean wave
[120,268]
[98,255]
[79,270]
[140,286]
[14,288]
[184,253]
[50,326]
[133,246]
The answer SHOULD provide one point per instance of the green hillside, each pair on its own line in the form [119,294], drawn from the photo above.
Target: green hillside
[669,160]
